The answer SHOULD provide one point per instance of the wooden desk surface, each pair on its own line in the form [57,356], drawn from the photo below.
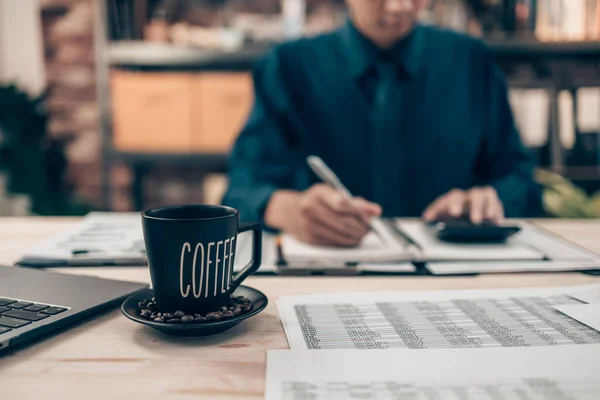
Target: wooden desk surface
[111,357]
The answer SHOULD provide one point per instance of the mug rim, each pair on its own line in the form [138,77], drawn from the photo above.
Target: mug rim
[234,212]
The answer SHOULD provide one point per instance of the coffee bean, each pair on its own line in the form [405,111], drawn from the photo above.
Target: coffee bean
[178,314]
[159,315]
[213,316]
[197,315]
[237,311]
[159,320]
[186,319]
[200,319]
[228,314]
[246,308]
[145,313]
[154,315]
[153,300]
[223,309]
[151,306]
[173,321]
[167,315]
[141,304]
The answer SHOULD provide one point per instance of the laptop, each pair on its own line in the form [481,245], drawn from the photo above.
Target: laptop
[34,302]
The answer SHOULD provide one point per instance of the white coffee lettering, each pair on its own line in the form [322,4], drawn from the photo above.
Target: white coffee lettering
[197,289]
[208,262]
[225,257]
[184,293]
[231,250]
[217,259]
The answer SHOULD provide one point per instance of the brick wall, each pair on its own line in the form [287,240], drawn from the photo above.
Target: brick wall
[68,36]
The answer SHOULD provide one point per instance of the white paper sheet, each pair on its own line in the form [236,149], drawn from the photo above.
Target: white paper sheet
[588,314]
[105,237]
[586,293]
[435,249]
[435,320]
[555,248]
[557,373]
[488,267]
[372,248]
[401,267]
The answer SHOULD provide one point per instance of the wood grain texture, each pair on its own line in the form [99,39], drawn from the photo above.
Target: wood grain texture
[110,357]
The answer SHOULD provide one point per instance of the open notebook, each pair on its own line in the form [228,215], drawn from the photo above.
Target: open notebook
[413,242]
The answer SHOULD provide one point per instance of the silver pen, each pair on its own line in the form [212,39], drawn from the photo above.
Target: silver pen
[328,176]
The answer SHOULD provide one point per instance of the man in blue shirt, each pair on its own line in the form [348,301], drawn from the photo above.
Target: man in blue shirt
[413,118]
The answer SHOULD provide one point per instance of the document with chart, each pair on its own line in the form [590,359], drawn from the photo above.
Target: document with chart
[535,373]
[433,320]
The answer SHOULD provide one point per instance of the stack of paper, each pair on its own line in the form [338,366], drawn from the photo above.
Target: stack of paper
[117,239]
[499,344]
[532,248]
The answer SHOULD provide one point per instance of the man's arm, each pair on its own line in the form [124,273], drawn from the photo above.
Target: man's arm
[267,171]
[505,186]
[504,163]
[263,157]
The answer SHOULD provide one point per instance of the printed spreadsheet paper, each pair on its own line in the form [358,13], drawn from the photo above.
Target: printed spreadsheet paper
[535,373]
[523,317]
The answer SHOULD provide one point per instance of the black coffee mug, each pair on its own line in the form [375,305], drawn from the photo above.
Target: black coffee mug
[191,254]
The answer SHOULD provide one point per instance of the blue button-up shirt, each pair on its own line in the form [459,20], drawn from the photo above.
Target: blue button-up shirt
[446,124]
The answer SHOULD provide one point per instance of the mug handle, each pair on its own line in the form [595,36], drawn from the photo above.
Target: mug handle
[254,264]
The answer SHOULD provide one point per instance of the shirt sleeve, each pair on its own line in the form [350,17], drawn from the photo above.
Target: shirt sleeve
[261,161]
[505,163]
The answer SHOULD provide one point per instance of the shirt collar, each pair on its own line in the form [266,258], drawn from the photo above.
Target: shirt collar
[362,54]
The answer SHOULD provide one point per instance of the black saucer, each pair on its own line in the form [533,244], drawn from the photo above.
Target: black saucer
[130,309]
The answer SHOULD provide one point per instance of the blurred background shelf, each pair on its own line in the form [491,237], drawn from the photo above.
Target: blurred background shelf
[167,103]
[144,55]
[157,56]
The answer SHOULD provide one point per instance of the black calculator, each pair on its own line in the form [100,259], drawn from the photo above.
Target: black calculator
[463,230]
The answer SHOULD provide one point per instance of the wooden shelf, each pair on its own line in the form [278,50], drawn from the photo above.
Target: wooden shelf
[529,47]
[211,161]
[144,55]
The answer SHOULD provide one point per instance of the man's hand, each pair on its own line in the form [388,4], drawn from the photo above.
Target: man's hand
[478,204]
[321,215]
